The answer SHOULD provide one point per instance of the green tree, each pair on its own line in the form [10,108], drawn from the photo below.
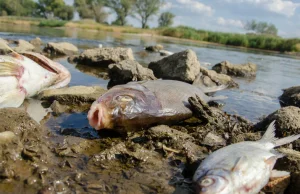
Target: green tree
[122,8]
[261,27]
[17,7]
[91,9]
[84,10]
[144,9]
[55,8]
[166,19]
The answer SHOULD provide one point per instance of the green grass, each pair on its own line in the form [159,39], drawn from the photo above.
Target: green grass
[256,41]
[52,23]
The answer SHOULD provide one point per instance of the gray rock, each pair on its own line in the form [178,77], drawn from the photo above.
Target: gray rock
[36,42]
[213,140]
[103,56]
[183,66]
[58,108]
[23,46]
[73,95]
[62,48]
[155,48]
[287,121]
[128,70]
[3,49]
[243,70]
[210,78]
[290,97]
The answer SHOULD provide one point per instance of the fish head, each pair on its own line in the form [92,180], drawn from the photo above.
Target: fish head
[213,184]
[120,104]
[63,76]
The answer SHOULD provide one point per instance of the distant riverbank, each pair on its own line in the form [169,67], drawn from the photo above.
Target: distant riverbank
[252,41]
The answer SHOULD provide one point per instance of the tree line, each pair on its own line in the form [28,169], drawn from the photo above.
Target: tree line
[142,10]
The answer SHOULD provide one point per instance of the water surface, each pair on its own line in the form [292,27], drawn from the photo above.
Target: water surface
[253,99]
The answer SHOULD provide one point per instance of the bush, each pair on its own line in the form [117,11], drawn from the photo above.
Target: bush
[52,23]
[262,41]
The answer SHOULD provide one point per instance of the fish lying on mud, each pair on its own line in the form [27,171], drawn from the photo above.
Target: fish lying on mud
[140,104]
[24,76]
[241,168]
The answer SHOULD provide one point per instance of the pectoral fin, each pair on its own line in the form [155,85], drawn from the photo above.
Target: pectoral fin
[13,98]
[277,174]
[10,69]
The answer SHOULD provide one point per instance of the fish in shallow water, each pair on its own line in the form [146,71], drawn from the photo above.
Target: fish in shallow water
[241,168]
[139,104]
[24,76]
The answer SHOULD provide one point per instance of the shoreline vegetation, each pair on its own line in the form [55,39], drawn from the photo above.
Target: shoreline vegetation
[252,41]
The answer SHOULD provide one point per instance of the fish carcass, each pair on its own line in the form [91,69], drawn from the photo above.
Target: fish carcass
[241,168]
[140,104]
[24,76]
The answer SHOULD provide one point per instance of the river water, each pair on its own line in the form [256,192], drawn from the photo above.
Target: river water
[253,99]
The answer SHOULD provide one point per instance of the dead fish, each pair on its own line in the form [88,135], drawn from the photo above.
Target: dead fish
[241,168]
[140,104]
[24,76]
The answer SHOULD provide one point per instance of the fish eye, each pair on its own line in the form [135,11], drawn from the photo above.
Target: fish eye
[207,182]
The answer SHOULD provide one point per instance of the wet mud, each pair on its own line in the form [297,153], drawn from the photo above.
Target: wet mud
[63,154]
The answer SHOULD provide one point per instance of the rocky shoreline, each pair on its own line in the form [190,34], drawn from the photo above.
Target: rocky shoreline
[159,159]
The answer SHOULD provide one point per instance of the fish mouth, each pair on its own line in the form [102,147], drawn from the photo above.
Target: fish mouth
[64,76]
[98,116]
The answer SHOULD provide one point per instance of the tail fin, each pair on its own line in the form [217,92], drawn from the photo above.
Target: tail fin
[213,88]
[212,98]
[269,136]
[286,140]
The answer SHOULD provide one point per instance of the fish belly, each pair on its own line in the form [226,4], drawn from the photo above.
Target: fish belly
[11,93]
[35,78]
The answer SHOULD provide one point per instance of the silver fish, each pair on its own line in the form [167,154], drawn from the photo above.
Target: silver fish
[24,76]
[140,104]
[241,168]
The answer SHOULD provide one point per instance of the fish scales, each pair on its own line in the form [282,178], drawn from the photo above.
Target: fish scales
[169,94]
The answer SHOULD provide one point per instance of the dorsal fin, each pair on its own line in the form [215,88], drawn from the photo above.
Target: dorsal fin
[269,135]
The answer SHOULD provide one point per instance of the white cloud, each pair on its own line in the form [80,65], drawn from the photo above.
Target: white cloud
[167,5]
[229,22]
[197,7]
[282,7]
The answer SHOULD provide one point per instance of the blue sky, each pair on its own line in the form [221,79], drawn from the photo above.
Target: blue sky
[230,15]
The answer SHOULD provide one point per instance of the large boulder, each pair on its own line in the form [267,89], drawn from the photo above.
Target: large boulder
[210,78]
[62,48]
[103,56]
[3,49]
[183,66]
[290,97]
[24,46]
[128,70]
[243,70]
[73,95]
[287,121]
